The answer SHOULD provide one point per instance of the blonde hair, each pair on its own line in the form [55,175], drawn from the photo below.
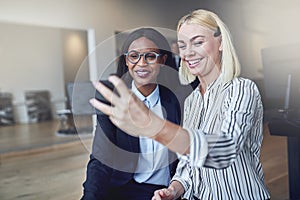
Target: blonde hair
[230,66]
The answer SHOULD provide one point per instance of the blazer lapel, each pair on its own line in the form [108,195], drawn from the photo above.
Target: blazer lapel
[168,109]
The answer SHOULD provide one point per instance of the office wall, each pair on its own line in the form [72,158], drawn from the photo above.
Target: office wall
[75,50]
[34,58]
[105,17]
[30,59]
[255,24]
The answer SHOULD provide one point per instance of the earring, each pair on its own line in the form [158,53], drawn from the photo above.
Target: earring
[221,47]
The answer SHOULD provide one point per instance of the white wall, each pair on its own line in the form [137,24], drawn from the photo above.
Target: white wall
[30,59]
[105,17]
[40,58]
[75,50]
[254,24]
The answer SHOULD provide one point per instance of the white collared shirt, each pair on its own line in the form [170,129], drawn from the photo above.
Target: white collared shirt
[153,164]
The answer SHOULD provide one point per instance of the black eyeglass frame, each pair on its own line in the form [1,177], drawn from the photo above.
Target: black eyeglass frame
[144,55]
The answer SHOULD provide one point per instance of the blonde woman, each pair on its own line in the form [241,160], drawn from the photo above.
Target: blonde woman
[220,140]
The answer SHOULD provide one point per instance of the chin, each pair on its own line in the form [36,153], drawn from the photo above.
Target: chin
[193,71]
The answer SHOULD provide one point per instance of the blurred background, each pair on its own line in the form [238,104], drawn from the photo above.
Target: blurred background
[44,46]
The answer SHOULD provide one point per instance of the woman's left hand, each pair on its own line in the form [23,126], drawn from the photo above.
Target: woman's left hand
[126,111]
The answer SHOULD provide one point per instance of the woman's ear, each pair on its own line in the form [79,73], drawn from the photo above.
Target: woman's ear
[221,44]
[164,58]
[126,62]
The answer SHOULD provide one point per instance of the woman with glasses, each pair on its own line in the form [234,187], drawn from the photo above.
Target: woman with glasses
[126,167]
[222,129]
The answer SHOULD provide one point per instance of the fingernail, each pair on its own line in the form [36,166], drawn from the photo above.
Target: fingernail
[95,83]
[92,101]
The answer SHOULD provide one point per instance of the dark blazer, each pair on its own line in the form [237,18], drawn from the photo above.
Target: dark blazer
[115,154]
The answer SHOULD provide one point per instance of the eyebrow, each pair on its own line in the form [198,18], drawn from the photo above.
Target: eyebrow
[193,38]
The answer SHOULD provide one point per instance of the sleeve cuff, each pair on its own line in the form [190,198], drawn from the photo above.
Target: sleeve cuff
[198,148]
[187,187]
[183,182]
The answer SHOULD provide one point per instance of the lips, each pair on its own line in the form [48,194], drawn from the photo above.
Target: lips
[194,63]
[142,73]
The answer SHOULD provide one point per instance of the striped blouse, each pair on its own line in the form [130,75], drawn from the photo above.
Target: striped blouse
[225,127]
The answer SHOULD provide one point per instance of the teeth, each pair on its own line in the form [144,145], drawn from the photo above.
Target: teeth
[192,62]
[142,73]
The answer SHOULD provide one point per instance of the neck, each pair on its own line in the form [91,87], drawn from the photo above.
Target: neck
[147,89]
[206,80]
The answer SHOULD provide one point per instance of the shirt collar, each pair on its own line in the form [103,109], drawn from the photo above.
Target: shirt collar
[152,98]
[215,83]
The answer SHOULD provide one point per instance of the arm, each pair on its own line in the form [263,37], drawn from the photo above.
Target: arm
[134,118]
[131,115]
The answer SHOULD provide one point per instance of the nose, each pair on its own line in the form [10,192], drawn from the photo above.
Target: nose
[142,61]
[188,51]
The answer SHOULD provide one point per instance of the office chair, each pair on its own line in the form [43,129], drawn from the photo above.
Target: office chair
[77,118]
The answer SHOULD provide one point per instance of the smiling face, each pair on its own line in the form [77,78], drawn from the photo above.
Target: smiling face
[200,51]
[144,74]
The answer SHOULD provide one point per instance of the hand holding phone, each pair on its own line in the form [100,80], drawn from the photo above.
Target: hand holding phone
[99,96]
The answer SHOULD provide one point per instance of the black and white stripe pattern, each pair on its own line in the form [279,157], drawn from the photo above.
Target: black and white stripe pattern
[225,127]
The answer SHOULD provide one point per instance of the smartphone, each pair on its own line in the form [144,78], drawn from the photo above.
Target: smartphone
[99,96]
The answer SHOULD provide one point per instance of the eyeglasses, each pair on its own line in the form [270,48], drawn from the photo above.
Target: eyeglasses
[134,57]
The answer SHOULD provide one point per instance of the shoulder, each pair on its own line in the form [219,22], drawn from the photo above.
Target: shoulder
[242,87]
[165,93]
[241,81]
[241,84]
[168,97]
[164,89]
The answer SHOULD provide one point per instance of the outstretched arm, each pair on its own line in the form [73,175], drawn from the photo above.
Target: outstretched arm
[132,116]
[218,150]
